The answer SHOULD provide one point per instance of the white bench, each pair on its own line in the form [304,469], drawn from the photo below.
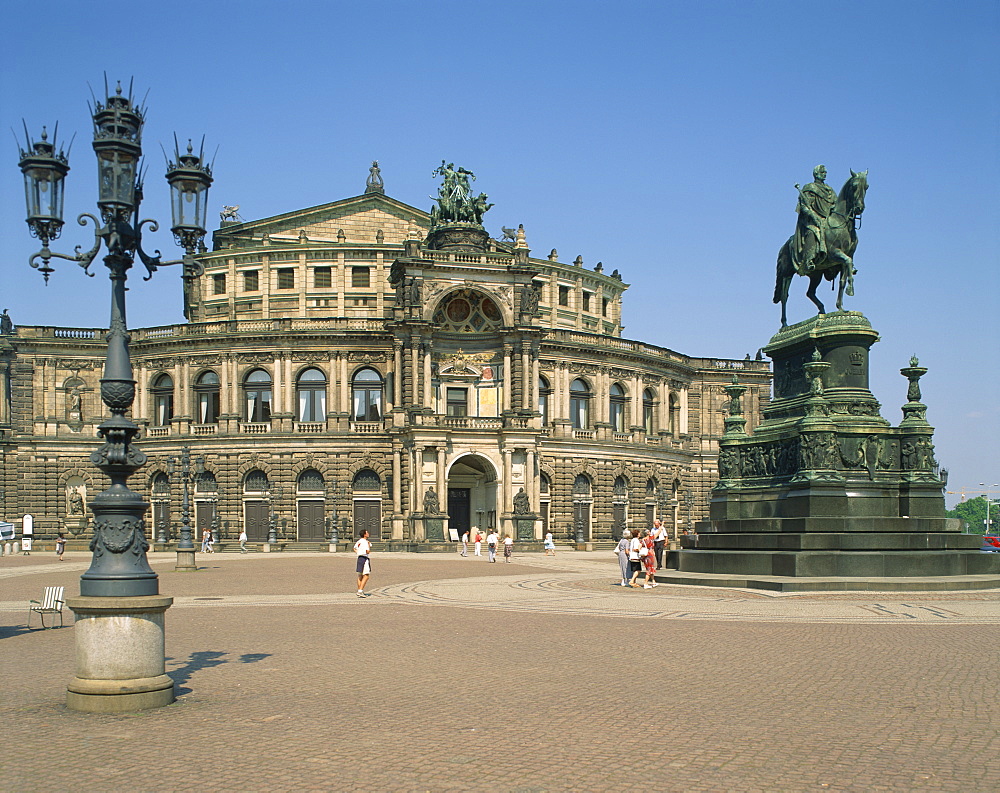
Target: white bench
[51,603]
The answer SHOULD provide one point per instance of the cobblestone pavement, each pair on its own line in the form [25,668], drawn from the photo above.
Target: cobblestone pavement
[532,676]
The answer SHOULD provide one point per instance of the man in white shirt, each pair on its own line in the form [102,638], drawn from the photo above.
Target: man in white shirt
[363,548]
[491,544]
[659,533]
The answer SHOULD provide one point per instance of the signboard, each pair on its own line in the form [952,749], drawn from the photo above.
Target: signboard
[27,525]
[453,533]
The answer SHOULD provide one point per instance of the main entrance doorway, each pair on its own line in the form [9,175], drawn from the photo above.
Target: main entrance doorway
[255,515]
[472,495]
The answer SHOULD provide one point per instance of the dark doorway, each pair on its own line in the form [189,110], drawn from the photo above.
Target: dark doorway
[255,520]
[458,509]
[311,521]
[161,519]
[203,511]
[650,514]
[617,521]
[543,509]
[368,515]
[581,519]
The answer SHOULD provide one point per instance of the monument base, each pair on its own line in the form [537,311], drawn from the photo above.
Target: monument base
[120,663]
[186,562]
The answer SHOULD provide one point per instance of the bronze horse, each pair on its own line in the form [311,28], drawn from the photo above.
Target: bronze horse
[841,242]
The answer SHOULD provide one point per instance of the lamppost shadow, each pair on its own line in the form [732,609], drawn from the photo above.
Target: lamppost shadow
[206,659]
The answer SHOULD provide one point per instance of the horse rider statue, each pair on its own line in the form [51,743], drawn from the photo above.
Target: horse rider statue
[816,201]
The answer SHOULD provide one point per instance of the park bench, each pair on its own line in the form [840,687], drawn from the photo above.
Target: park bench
[51,603]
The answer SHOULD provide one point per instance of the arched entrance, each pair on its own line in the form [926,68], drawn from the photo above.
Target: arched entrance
[472,495]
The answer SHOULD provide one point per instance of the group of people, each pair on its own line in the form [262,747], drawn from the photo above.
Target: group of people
[493,542]
[640,553]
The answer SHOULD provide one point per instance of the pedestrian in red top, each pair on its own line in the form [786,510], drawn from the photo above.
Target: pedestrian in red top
[648,559]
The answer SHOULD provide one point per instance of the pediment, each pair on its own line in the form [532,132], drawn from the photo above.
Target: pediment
[359,218]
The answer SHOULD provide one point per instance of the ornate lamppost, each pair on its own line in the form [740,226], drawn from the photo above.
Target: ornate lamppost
[275,491]
[186,548]
[120,661]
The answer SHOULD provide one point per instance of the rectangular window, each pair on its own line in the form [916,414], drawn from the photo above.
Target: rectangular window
[251,281]
[322,278]
[586,301]
[286,278]
[457,399]
[563,295]
[361,277]
[604,306]
[219,284]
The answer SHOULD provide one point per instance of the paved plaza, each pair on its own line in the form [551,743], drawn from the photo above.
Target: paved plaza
[538,675]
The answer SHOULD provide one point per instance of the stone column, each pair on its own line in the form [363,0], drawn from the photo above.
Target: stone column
[508,473]
[683,418]
[428,398]
[508,376]
[441,479]
[397,375]
[525,376]
[4,390]
[397,483]
[277,395]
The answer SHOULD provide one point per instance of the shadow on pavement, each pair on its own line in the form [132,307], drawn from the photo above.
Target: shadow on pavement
[8,631]
[206,659]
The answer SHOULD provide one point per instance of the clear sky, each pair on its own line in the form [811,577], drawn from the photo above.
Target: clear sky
[661,138]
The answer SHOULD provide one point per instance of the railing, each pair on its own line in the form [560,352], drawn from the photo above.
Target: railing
[366,427]
[74,333]
[622,437]
[204,429]
[157,432]
[472,422]
[652,441]
[310,426]
[255,428]
[518,423]
[585,435]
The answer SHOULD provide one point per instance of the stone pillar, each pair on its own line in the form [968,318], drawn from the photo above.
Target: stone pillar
[508,376]
[428,398]
[508,473]
[397,483]
[4,390]
[525,376]
[119,654]
[441,479]
[397,375]
[683,419]
[277,394]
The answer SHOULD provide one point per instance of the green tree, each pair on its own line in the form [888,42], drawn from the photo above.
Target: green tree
[972,513]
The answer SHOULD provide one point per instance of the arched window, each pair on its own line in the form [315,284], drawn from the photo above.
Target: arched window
[648,401]
[367,403]
[310,481]
[256,482]
[163,400]
[206,389]
[543,484]
[257,395]
[673,416]
[543,399]
[616,412]
[579,404]
[206,483]
[581,485]
[311,390]
[161,486]
[366,480]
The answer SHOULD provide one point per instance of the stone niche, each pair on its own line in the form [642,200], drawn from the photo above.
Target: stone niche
[825,486]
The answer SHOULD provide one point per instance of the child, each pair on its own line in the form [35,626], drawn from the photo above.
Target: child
[508,547]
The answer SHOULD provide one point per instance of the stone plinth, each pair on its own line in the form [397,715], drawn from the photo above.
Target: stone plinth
[119,654]
[457,236]
[825,486]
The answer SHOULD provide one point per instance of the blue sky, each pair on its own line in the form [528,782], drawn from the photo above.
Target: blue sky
[663,139]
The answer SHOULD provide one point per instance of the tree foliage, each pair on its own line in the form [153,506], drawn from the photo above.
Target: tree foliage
[972,513]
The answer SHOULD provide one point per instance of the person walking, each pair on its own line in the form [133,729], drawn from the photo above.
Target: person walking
[550,544]
[465,544]
[508,547]
[491,544]
[363,549]
[634,565]
[622,551]
[648,559]
[205,537]
[60,546]
[659,541]
[479,543]
[243,540]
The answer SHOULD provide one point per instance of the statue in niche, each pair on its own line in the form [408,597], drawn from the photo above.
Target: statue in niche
[522,505]
[75,503]
[431,504]
[75,401]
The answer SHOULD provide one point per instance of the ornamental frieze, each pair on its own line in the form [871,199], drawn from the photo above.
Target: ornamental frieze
[582,368]
[159,363]
[310,357]
[75,365]
[364,357]
[205,360]
[255,358]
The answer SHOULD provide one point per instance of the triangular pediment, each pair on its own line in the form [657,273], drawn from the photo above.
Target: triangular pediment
[359,218]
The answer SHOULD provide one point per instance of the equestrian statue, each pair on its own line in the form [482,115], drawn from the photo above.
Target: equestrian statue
[825,238]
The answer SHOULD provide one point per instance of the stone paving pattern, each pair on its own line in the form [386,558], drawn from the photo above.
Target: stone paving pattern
[532,676]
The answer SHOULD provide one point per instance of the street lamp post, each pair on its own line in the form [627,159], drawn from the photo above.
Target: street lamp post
[186,548]
[275,492]
[119,613]
[987,497]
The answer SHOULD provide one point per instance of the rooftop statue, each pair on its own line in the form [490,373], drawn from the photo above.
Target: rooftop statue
[455,202]
[825,238]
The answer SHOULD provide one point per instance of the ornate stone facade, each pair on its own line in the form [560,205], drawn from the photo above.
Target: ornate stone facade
[336,367]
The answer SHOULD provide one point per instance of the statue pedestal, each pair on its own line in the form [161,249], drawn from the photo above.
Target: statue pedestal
[119,654]
[429,527]
[458,236]
[76,524]
[524,527]
[826,487]
[186,559]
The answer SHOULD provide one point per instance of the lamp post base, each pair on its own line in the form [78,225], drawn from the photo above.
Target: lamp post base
[185,560]
[120,663]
